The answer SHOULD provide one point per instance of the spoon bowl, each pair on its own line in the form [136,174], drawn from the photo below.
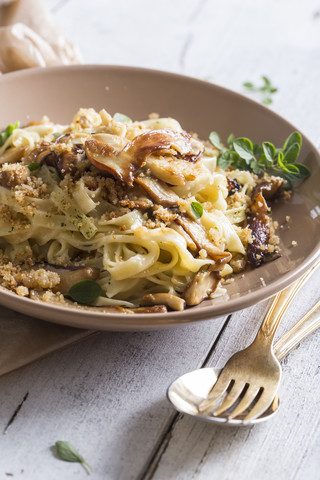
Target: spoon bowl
[188,391]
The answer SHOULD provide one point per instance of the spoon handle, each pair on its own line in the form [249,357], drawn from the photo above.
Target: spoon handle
[304,327]
[280,304]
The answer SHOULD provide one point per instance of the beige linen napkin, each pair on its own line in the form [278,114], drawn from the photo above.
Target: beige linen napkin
[29,38]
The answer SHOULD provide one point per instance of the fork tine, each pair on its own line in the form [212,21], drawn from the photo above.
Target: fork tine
[216,393]
[261,406]
[245,402]
[231,397]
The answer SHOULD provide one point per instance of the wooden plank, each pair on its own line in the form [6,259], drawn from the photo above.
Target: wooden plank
[106,395]
[281,448]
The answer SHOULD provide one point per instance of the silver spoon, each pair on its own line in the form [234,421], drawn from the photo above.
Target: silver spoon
[188,391]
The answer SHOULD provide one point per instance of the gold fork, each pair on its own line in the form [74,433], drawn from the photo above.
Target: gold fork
[251,376]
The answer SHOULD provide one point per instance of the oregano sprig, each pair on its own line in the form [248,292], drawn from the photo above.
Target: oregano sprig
[265,91]
[242,154]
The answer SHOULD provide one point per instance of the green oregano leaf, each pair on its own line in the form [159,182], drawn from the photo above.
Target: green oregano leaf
[215,140]
[120,117]
[292,153]
[33,166]
[269,151]
[7,133]
[197,209]
[244,148]
[293,138]
[304,171]
[68,453]
[85,291]
[230,140]
[248,85]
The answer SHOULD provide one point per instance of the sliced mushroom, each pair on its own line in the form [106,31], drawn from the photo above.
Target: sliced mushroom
[37,154]
[123,164]
[13,174]
[171,301]
[65,162]
[140,203]
[201,286]
[233,186]
[155,140]
[259,221]
[13,154]
[62,138]
[173,170]
[200,238]
[270,190]
[158,191]
[190,243]
[106,158]
[260,233]
[71,162]
[135,198]
[71,275]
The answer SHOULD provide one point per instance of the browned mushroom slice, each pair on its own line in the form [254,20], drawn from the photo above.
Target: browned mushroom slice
[190,243]
[171,301]
[13,174]
[106,158]
[139,203]
[233,186]
[199,236]
[202,285]
[123,165]
[13,154]
[173,170]
[71,162]
[64,161]
[62,137]
[71,275]
[135,198]
[259,221]
[155,140]
[37,154]
[158,191]
[270,190]
[260,233]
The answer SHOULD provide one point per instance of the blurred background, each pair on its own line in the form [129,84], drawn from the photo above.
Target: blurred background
[227,43]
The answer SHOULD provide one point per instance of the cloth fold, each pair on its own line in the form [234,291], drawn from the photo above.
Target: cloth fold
[29,38]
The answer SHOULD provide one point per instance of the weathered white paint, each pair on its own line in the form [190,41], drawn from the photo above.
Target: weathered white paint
[107,394]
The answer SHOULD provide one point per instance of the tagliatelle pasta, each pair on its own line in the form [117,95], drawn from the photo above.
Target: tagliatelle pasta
[138,207]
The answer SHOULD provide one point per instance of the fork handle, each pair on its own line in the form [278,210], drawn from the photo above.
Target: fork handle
[280,304]
[304,327]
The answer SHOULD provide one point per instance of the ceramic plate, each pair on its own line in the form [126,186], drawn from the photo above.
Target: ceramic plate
[201,107]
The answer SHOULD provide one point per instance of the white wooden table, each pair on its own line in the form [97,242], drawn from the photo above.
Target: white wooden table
[107,395]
